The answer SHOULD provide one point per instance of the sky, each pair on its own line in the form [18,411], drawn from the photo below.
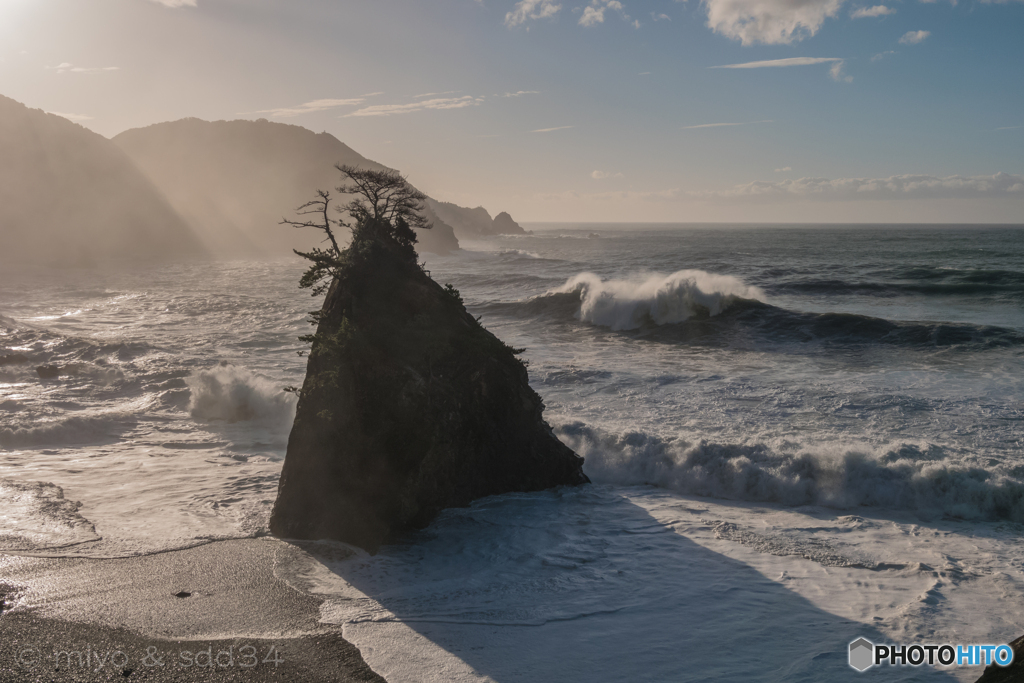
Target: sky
[588,110]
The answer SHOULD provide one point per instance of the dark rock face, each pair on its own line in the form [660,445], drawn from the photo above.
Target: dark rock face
[48,371]
[13,359]
[504,225]
[1014,673]
[409,406]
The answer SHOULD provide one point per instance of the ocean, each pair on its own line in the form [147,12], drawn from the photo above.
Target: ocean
[798,436]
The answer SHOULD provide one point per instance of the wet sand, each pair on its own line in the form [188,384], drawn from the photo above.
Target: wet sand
[216,612]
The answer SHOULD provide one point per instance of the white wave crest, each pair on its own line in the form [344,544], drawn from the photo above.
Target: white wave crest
[903,476]
[657,299]
[230,393]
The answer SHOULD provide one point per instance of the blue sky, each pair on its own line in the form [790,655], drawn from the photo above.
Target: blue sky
[917,114]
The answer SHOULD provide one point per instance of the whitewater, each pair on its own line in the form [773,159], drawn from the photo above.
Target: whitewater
[797,435]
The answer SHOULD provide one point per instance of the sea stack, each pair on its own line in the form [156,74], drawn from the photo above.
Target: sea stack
[409,407]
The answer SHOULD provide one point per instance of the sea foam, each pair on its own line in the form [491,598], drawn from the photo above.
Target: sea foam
[230,393]
[897,476]
[656,299]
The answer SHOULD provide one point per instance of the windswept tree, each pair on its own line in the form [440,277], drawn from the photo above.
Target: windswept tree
[383,206]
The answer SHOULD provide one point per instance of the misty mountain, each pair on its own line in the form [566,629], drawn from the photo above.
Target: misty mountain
[474,223]
[235,180]
[69,196]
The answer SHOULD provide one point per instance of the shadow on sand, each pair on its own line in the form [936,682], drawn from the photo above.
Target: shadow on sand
[580,585]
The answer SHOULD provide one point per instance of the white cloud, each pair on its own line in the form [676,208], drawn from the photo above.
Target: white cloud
[520,93]
[176,3]
[311,107]
[867,12]
[594,13]
[772,22]
[883,55]
[894,187]
[914,37]
[789,61]
[719,125]
[422,105]
[604,175]
[784,169]
[71,117]
[550,130]
[660,17]
[531,9]
[67,67]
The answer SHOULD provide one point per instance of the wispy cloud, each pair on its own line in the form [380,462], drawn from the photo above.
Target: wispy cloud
[773,63]
[422,105]
[836,72]
[894,187]
[434,94]
[550,130]
[784,169]
[770,22]
[914,37]
[520,93]
[604,175]
[660,17]
[1000,185]
[719,125]
[619,196]
[71,117]
[176,3]
[68,67]
[868,12]
[531,9]
[882,55]
[312,107]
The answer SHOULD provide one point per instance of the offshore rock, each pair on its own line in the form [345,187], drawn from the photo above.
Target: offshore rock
[409,407]
[1014,673]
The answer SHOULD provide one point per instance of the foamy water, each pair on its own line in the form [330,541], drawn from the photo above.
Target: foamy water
[797,437]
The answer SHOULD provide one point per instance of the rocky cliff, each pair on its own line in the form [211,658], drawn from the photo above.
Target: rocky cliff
[234,180]
[70,197]
[409,406]
[474,223]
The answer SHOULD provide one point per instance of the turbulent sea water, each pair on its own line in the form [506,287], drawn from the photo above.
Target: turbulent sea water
[798,436]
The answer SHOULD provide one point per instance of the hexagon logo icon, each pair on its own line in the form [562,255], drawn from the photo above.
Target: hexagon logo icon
[861,654]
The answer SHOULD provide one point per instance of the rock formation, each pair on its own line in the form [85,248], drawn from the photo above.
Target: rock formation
[409,406]
[504,225]
[474,223]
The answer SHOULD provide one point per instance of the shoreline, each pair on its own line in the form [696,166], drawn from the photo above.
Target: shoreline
[77,619]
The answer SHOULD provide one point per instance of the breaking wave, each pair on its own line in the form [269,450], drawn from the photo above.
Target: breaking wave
[905,476]
[229,393]
[656,300]
[693,306]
